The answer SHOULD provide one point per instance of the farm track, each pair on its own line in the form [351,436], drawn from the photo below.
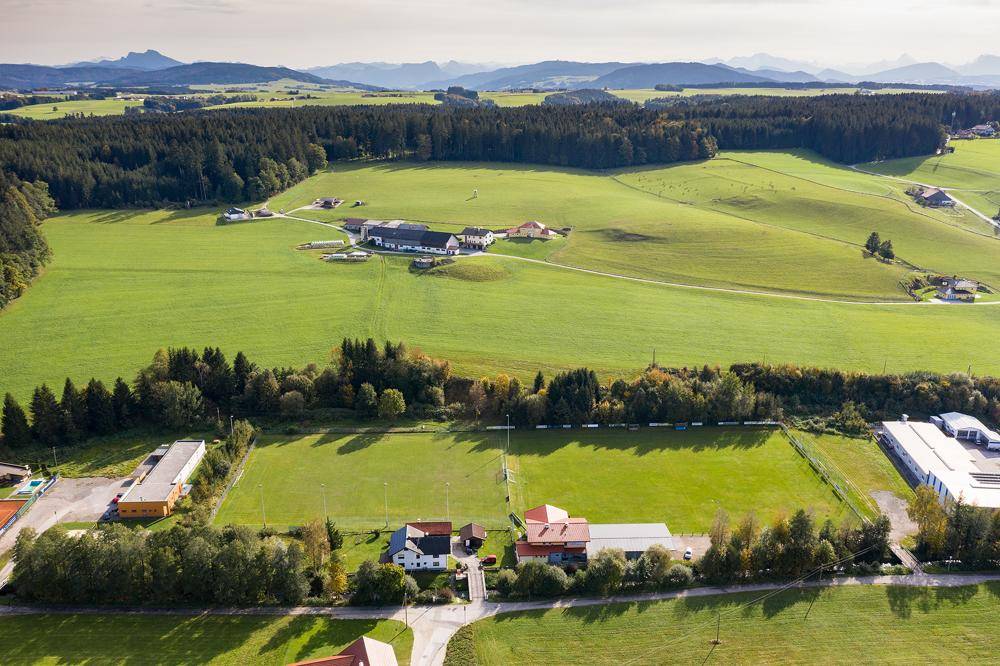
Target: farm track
[664,283]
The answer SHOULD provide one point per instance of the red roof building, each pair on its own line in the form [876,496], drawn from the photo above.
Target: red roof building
[435,528]
[530,230]
[362,652]
[551,533]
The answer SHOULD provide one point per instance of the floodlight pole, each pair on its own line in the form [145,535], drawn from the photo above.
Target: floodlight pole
[385,487]
[262,514]
[55,463]
[447,499]
[230,425]
[326,514]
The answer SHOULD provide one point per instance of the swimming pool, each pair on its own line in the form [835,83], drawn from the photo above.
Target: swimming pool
[31,487]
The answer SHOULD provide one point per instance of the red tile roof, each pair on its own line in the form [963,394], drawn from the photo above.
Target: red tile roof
[439,528]
[525,549]
[362,652]
[545,513]
[574,529]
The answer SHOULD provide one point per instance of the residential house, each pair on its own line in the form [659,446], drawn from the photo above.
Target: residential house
[472,536]
[413,240]
[552,535]
[354,224]
[476,238]
[986,131]
[236,214]
[932,196]
[10,473]
[415,550]
[531,230]
[964,134]
[433,528]
[362,652]
[955,289]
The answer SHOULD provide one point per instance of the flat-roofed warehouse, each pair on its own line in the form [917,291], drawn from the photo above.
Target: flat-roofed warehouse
[157,493]
[944,464]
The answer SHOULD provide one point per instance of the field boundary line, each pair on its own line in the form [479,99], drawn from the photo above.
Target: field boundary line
[821,468]
[234,480]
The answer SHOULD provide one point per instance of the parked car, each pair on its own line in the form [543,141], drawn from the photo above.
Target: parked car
[117,498]
[688,553]
[488,561]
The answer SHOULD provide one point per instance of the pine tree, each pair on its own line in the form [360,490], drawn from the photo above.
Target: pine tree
[74,412]
[123,404]
[539,382]
[100,408]
[14,426]
[242,369]
[46,416]
[873,243]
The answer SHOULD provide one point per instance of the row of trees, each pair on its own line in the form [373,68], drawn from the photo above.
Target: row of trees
[789,548]
[957,531]
[118,565]
[182,388]
[23,249]
[608,572]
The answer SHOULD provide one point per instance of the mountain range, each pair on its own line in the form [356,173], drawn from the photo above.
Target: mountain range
[149,68]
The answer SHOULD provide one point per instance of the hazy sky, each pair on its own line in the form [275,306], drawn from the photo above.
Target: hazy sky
[302,33]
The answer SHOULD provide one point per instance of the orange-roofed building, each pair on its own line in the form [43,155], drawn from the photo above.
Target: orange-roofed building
[362,652]
[531,230]
[551,534]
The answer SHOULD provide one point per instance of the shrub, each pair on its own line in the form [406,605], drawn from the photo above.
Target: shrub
[506,580]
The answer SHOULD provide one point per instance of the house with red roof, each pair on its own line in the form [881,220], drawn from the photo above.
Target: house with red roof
[362,652]
[551,534]
[531,230]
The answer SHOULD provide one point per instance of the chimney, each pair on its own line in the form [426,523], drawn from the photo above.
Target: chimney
[904,418]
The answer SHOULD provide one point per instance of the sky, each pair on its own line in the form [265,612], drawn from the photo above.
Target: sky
[304,33]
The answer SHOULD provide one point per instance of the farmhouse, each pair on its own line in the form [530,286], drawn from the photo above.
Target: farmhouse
[414,240]
[416,550]
[362,652]
[932,196]
[986,131]
[957,290]
[963,426]
[437,528]
[367,225]
[531,230]
[943,463]
[476,238]
[553,536]
[472,536]
[14,473]
[328,202]
[156,494]
[235,214]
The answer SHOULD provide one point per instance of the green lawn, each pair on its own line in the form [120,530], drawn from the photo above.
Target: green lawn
[660,475]
[96,107]
[290,473]
[134,282]
[680,478]
[149,639]
[867,624]
[860,460]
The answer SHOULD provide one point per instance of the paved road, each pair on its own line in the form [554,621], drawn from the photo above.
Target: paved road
[433,626]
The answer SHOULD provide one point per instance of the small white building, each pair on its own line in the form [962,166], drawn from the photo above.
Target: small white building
[967,427]
[415,550]
[476,238]
[236,214]
[942,463]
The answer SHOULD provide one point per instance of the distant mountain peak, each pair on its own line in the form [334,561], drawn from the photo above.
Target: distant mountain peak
[149,60]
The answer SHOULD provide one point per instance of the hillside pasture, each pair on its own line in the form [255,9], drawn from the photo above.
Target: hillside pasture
[88,107]
[122,284]
[868,623]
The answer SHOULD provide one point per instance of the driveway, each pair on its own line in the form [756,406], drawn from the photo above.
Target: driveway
[477,579]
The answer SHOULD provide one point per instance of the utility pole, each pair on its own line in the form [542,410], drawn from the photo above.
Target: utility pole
[447,499]
[718,629]
[385,487]
[262,514]
[230,425]
[55,463]
[406,611]
[326,514]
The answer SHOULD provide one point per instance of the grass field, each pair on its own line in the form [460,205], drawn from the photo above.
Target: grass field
[96,107]
[973,169]
[867,624]
[862,461]
[132,282]
[220,640]
[680,478]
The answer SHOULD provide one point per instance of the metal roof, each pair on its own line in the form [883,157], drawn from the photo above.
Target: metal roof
[630,537]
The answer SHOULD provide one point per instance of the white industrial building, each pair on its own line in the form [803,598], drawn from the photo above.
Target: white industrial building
[943,463]
[632,538]
[967,427]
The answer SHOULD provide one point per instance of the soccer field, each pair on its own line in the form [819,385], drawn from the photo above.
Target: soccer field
[172,640]
[863,624]
[681,478]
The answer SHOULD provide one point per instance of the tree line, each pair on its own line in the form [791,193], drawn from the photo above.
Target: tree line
[183,387]
[23,249]
[955,531]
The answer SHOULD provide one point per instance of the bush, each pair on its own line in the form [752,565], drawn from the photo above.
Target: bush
[678,575]
[506,580]
[535,578]
[292,403]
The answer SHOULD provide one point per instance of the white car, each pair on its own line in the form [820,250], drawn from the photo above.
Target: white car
[688,553]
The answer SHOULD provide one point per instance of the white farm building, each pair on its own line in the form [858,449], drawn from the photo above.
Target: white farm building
[967,427]
[944,463]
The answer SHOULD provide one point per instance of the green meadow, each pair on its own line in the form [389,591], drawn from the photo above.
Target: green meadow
[606,475]
[122,284]
[177,639]
[88,107]
[867,624]
[973,170]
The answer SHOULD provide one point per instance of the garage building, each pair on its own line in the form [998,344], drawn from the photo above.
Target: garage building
[155,495]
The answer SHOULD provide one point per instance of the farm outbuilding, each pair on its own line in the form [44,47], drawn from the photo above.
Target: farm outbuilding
[10,473]
[472,536]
